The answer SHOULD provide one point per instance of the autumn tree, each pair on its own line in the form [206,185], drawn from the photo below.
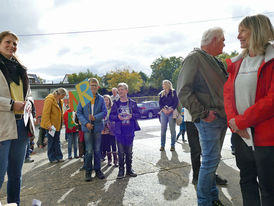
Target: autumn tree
[133,79]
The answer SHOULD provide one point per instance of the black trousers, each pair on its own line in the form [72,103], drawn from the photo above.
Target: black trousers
[255,164]
[195,148]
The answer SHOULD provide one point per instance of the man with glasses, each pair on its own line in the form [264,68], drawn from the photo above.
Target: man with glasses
[91,117]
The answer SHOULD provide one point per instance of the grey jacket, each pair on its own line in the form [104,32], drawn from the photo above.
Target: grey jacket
[200,84]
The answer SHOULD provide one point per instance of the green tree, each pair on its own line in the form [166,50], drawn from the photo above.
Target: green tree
[163,68]
[225,56]
[77,78]
[133,79]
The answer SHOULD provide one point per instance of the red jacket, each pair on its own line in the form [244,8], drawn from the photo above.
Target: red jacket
[68,130]
[261,114]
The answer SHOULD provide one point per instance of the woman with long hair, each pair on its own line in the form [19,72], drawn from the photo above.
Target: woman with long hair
[249,105]
[14,91]
[168,103]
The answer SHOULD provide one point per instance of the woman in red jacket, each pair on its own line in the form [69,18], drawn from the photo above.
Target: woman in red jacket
[249,105]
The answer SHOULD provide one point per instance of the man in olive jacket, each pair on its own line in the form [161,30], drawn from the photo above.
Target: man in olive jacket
[200,90]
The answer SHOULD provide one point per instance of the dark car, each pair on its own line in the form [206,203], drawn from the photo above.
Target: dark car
[149,109]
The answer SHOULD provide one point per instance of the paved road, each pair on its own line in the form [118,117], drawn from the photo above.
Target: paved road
[164,178]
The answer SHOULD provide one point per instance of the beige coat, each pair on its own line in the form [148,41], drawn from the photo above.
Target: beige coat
[8,128]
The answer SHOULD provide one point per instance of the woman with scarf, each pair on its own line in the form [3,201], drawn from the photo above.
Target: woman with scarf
[14,91]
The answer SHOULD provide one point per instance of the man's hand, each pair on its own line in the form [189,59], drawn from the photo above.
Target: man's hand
[232,125]
[210,117]
[91,117]
[89,126]
[243,133]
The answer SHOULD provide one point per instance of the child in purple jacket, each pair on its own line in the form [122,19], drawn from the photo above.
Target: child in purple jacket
[125,114]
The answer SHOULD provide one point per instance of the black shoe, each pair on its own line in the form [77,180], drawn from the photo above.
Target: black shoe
[82,168]
[194,181]
[88,176]
[100,174]
[131,173]
[120,174]
[217,203]
[28,160]
[220,181]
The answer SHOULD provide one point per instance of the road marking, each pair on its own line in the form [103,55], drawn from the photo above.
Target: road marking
[65,195]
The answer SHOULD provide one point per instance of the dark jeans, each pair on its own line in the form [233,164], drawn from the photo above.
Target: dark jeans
[125,152]
[124,149]
[54,147]
[253,164]
[109,143]
[195,148]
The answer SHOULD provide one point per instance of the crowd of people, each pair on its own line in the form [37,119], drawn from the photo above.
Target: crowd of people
[210,95]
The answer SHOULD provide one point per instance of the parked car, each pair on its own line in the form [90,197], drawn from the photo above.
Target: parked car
[149,109]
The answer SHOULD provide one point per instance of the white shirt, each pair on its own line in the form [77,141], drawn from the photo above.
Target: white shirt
[246,83]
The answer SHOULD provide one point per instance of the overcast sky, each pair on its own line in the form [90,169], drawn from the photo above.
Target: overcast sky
[104,35]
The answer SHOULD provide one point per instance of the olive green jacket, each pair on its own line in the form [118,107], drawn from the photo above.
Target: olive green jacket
[200,84]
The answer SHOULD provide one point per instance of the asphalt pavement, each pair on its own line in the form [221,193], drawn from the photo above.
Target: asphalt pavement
[164,178]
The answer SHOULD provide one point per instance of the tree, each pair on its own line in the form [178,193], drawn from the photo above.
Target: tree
[133,79]
[163,68]
[225,56]
[77,78]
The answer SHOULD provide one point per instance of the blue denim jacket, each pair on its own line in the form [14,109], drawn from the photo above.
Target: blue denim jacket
[100,111]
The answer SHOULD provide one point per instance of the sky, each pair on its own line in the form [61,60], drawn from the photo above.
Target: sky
[59,37]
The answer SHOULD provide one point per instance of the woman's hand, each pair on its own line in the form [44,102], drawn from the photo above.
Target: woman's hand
[18,106]
[243,133]
[232,125]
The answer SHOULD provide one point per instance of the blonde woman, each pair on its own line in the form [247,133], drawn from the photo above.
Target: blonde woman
[168,103]
[52,118]
[14,91]
[249,105]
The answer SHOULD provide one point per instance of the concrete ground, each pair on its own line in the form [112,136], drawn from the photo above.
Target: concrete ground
[164,178]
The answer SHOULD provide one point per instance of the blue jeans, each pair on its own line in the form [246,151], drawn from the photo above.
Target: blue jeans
[172,122]
[93,146]
[210,135]
[12,156]
[54,147]
[72,139]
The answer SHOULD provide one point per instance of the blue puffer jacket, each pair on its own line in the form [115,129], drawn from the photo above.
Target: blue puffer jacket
[100,111]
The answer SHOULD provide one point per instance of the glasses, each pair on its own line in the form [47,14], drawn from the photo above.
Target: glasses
[94,85]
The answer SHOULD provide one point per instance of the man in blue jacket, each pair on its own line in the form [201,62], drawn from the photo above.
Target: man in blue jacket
[91,117]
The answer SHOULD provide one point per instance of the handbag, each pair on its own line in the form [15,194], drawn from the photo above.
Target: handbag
[177,116]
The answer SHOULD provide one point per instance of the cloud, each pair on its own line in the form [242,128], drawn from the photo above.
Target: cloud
[63,51]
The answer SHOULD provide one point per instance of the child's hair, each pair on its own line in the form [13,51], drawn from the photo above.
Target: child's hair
[110,102]
[122,84]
